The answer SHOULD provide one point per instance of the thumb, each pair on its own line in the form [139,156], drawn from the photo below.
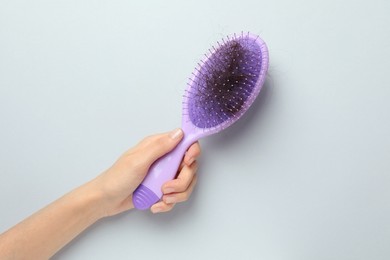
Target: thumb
[158,145]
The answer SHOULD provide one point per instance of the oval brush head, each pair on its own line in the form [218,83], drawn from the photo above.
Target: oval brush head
[225,84]
[220,91]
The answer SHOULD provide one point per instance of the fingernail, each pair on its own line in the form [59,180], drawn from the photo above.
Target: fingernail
[176,134]
[170,200]
[156,210]
[168,190]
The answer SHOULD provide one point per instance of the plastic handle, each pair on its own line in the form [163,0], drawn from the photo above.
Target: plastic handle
[161,171]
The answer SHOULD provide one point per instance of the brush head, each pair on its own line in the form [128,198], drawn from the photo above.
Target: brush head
[226,83]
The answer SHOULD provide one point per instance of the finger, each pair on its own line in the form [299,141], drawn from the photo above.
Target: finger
[157,145]
[183,180]
[161,207]
[192,153]
[182,196]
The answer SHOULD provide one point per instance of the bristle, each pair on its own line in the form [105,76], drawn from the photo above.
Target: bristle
[224,81]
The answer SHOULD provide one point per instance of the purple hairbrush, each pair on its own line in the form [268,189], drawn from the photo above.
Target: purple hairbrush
[220,90]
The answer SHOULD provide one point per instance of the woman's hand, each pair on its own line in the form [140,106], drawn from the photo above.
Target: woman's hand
[108,194]
[118,183]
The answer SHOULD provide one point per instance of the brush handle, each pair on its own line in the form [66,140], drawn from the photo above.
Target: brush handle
[161,171]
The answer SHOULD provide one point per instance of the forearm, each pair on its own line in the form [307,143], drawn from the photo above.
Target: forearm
[44,233]
[41,235]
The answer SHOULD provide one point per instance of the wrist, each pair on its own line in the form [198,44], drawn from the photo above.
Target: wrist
[91,200]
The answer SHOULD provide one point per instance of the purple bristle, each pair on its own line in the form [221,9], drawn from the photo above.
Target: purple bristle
[224,82]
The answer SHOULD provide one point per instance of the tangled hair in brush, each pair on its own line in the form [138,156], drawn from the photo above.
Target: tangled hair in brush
[223,83]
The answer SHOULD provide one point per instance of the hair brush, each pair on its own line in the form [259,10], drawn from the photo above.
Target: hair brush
[219,92]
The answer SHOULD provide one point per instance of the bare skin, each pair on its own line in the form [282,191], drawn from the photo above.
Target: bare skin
[41,235]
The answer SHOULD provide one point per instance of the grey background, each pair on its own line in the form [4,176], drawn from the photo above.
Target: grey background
[304,175]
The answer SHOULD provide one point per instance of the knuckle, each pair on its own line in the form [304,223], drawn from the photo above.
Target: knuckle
[148,139]
[155,140]
[186,196]
[161,141]
[179,182]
